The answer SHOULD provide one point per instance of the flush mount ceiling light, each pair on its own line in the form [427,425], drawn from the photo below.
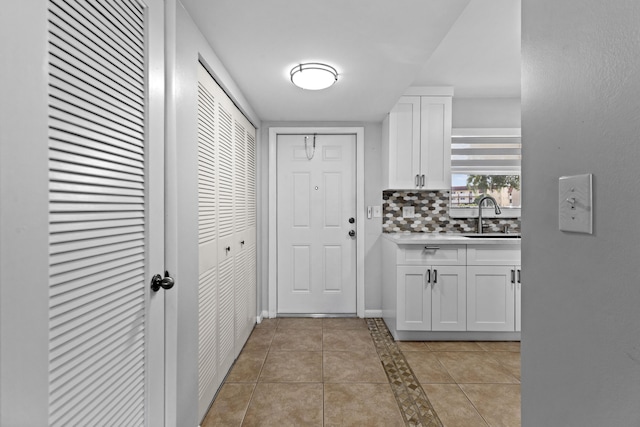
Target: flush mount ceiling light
[313,76]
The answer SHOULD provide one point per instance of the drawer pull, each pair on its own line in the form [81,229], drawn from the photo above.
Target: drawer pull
[431,248]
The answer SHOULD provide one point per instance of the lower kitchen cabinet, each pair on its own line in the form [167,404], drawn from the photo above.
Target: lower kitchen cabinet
[491,294]
[431,298]
[451,291]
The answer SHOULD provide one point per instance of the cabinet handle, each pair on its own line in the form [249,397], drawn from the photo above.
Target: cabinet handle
[435,276]
[417,180]
[513,276]
[422,181]
[428,276]
[431,248]
[519,274]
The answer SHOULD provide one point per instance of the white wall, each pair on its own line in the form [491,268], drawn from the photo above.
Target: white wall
[373,196]
[486,112]
[581,293]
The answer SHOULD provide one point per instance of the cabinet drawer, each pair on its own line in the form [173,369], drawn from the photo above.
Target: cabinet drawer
[493,255]
[430,254]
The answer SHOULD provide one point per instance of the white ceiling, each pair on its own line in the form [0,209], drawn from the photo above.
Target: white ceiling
[379,48]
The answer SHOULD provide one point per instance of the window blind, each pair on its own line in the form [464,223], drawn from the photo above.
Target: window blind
[486,151]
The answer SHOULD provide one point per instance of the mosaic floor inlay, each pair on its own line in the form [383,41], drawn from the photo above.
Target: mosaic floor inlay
[412,400]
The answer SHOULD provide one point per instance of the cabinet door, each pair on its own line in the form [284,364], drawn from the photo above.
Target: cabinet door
[435,142]
[448,298]
[404,143]
[518,298]
[491,298]
[414,298]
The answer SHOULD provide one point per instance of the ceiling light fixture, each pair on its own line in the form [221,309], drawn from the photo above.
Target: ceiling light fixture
[313,76]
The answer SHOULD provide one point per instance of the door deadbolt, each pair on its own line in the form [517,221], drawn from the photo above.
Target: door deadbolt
[352,220]
[165,282]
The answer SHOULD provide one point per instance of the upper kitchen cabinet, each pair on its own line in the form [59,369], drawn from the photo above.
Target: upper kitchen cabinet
[417,141]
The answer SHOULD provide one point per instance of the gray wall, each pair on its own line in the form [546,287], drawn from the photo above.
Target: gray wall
[372,196]
[581,294]
[486,112]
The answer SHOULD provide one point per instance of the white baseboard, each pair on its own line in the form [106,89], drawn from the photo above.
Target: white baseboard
[262,316]
[372,313]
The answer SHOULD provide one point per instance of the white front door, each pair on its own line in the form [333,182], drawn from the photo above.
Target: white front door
[316,211]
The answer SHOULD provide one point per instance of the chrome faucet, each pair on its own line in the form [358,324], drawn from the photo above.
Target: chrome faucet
[480,202]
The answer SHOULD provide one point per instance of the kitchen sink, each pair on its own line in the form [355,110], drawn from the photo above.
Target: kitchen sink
[493,236]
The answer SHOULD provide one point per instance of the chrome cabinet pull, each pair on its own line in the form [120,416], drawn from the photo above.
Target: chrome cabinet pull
[422,181]
[417,180]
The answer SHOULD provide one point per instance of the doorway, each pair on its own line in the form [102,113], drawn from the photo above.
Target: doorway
[316,207]
[315,265]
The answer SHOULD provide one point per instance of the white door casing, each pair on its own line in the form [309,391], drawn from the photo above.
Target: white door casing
[272,229]
[316,199]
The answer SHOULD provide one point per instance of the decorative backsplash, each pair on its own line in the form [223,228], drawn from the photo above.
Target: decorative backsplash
[432,214]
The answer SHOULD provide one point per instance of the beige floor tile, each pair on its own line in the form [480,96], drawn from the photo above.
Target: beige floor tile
[452,406]
[353,367]
[359,405]
[499,404]
[453,346]
[292,366]
[347,340]
[510,360]
[247,367]
[268,323]
[297,340]
[285,404]
[474,367]
[427,368]
[230,405]
[500,345]
[412,346]
[299,323]
[344,323]
[260,339]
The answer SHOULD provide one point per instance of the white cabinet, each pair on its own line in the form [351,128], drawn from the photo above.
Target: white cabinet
[417,143]
[493,288]
[431,298]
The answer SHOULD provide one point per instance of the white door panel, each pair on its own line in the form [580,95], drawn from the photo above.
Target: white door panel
[316,198]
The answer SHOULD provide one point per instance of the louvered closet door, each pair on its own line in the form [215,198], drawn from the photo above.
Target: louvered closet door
[106,330]
[227,248]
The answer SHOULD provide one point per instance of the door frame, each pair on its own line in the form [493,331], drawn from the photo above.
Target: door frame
[273,208]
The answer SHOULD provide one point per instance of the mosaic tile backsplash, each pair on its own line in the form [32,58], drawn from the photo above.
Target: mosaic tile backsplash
[432,215]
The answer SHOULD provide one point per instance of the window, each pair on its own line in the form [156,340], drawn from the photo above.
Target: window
[485,162]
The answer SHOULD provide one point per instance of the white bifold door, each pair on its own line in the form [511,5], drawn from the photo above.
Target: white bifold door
[227,234]
[316,213]
[106,237]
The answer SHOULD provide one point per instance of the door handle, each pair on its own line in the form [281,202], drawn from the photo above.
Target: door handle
[165,282]
[352,233]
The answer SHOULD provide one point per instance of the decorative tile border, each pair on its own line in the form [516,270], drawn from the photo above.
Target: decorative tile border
[432,214]
[412,401]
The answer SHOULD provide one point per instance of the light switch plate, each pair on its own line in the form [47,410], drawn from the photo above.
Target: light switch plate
[575,206]
[377,212]
[408,212]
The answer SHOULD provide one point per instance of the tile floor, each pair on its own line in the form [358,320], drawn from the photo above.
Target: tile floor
[338,372]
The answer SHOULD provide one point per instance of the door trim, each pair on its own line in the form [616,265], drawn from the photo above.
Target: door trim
[273,243]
